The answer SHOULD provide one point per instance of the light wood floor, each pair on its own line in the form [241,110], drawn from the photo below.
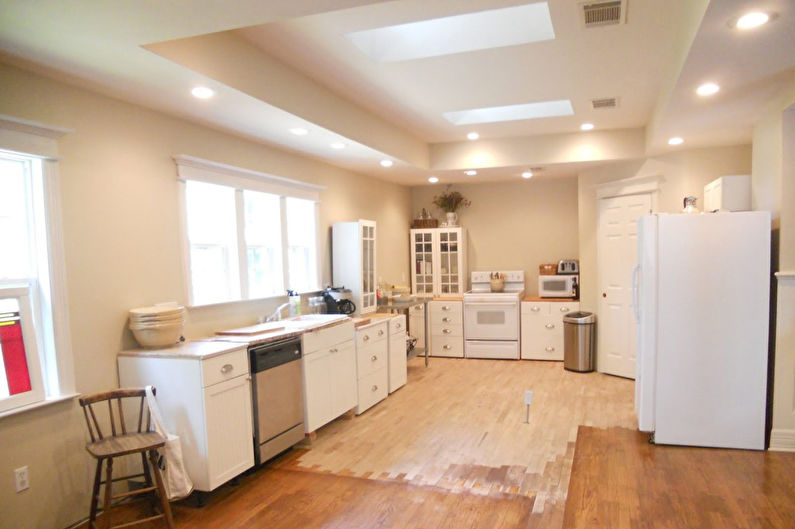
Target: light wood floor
[459,425]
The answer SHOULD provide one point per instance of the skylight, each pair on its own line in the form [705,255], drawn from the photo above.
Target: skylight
[541,109]
[493,28]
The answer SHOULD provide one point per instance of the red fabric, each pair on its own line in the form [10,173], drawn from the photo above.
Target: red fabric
[16,363]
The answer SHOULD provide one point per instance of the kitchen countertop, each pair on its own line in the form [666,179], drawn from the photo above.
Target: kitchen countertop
[448,298]
[192,350]
[554,300]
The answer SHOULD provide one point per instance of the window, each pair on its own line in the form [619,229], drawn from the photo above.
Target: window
[248,235]
[35,359]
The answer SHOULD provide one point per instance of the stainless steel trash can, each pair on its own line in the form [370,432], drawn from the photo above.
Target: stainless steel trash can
[579,341]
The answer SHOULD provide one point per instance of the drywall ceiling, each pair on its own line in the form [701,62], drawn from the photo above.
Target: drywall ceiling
[281,64]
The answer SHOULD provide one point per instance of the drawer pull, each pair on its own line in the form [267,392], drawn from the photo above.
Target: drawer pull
[550,325]
[373,358]
[447,347]
[380,333]
[446,331]
[549,349]
[227,368]
[564,309]
[446,319]
[397,326]
[366,337]
[535,309]
[374,388]
[333,350]
[446,307]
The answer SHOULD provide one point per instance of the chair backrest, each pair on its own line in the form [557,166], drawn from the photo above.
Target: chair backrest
[88,403]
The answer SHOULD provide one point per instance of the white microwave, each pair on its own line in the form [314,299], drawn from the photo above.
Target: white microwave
[558,286]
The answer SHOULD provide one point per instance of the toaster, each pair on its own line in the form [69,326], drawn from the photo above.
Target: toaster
[568,266]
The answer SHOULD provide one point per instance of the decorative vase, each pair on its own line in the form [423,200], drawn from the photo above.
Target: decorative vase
[452,218]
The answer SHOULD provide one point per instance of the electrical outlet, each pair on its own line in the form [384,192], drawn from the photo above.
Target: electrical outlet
[528,397]
[21,478]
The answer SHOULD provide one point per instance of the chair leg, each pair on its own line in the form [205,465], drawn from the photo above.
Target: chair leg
[147,474]
[92,517]
[108,487]
[161,490]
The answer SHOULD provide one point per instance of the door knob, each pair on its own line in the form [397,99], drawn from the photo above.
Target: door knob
[604,294]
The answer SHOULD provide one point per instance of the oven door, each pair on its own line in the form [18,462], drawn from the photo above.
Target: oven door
[491,320]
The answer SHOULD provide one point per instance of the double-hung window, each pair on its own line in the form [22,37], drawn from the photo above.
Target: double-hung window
[248,235]
[35,361]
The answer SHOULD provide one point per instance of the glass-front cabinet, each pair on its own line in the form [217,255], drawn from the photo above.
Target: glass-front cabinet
[368,296]
[438,260]
[353,261]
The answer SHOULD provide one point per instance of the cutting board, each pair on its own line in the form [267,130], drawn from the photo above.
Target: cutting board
[262,328]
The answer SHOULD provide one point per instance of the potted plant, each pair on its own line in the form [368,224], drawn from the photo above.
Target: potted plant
[450,202]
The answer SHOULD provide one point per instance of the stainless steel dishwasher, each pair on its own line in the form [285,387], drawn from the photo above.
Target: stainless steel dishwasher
[277,397]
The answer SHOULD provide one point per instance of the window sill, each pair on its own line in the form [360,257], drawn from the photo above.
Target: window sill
[40,404]
[239,302]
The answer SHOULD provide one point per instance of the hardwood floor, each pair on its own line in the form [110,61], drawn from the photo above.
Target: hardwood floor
[621,481]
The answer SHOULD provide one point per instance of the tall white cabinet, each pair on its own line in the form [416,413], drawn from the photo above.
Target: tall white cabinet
[353,266]
[438,261]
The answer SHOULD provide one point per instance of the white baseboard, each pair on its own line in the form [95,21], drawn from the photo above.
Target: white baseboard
[782,440]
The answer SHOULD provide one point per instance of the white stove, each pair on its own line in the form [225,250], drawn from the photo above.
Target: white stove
[491,319]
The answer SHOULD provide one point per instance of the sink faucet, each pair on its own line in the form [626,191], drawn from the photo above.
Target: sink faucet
[277,314]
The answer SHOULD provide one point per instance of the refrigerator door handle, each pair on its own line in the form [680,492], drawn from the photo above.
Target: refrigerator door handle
[635,301]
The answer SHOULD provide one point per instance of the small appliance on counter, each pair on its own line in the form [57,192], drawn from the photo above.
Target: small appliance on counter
[568,267]
[339,300]
[559,286]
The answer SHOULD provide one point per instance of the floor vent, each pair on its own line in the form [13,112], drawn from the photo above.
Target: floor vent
[603,13]
[604,102]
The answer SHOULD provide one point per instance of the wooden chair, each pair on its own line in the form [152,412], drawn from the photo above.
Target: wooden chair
[121,442]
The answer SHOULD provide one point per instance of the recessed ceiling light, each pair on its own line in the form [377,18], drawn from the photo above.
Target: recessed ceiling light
[707,89]
[473,136]
[471,172]
[752,20]
[433,180]
[676,140]
[202,92]
[493,28]
[299,131]
[337,145]
[586,126]
[540,109]
[386,163]
[527,174]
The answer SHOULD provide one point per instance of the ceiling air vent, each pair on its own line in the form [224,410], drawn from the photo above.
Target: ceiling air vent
[603,13]
[604,102]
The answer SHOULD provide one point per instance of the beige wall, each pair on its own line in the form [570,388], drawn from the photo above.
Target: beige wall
[121,238]
[683,172]
[514,225]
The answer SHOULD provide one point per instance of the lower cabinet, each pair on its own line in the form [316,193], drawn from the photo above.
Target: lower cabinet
[329,371]
[372,358]
[417,325]
[206,402]
[397,368]
[447,328]
[542,328]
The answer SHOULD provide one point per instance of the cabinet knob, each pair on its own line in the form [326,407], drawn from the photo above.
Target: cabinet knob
[333,350]
[447,347]
[374,388]
[380,333]
[445,319]
[366,337]
[446,307]
[535,309]
[564,309]
[397,326]
[550,325]
[549,349]
[373,358]
[227,368]
[446,331]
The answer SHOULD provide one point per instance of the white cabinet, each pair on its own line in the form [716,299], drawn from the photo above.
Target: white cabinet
[206,400]
[542,328]
[447,328]
[728,193]
[397,352]
[329,367]
[353,260]
[417,325]
[438,260]
[372,360]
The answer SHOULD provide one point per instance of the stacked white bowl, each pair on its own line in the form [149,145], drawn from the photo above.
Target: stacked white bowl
[157,326]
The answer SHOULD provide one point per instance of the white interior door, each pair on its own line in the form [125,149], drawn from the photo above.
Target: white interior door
[617,255]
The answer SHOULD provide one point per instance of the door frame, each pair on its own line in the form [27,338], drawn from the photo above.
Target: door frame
[646,185]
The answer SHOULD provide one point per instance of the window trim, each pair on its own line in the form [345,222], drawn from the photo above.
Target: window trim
[240,179]
[32,139]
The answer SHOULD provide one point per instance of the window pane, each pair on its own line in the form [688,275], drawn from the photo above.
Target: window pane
[14,375]
[212,234]
[263,244]
[301,244]
[16,259]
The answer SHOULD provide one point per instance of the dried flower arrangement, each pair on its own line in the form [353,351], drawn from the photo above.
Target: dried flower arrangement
[450,201]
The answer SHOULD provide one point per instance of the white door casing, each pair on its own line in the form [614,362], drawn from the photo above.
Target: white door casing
[616,257]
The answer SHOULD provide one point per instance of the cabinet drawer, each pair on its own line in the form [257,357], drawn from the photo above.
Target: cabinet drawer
[540,308]
[325,338]
[446,318]
[224,367]
[371,358]
[446,307]
[561,309]
[371,334]
[397,326]
[452,346]
[447,330]
[372,389]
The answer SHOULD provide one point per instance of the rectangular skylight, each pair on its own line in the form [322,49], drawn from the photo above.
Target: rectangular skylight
[541,109]
[493,28]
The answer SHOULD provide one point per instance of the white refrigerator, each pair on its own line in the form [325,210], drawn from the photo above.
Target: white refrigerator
[701,298]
